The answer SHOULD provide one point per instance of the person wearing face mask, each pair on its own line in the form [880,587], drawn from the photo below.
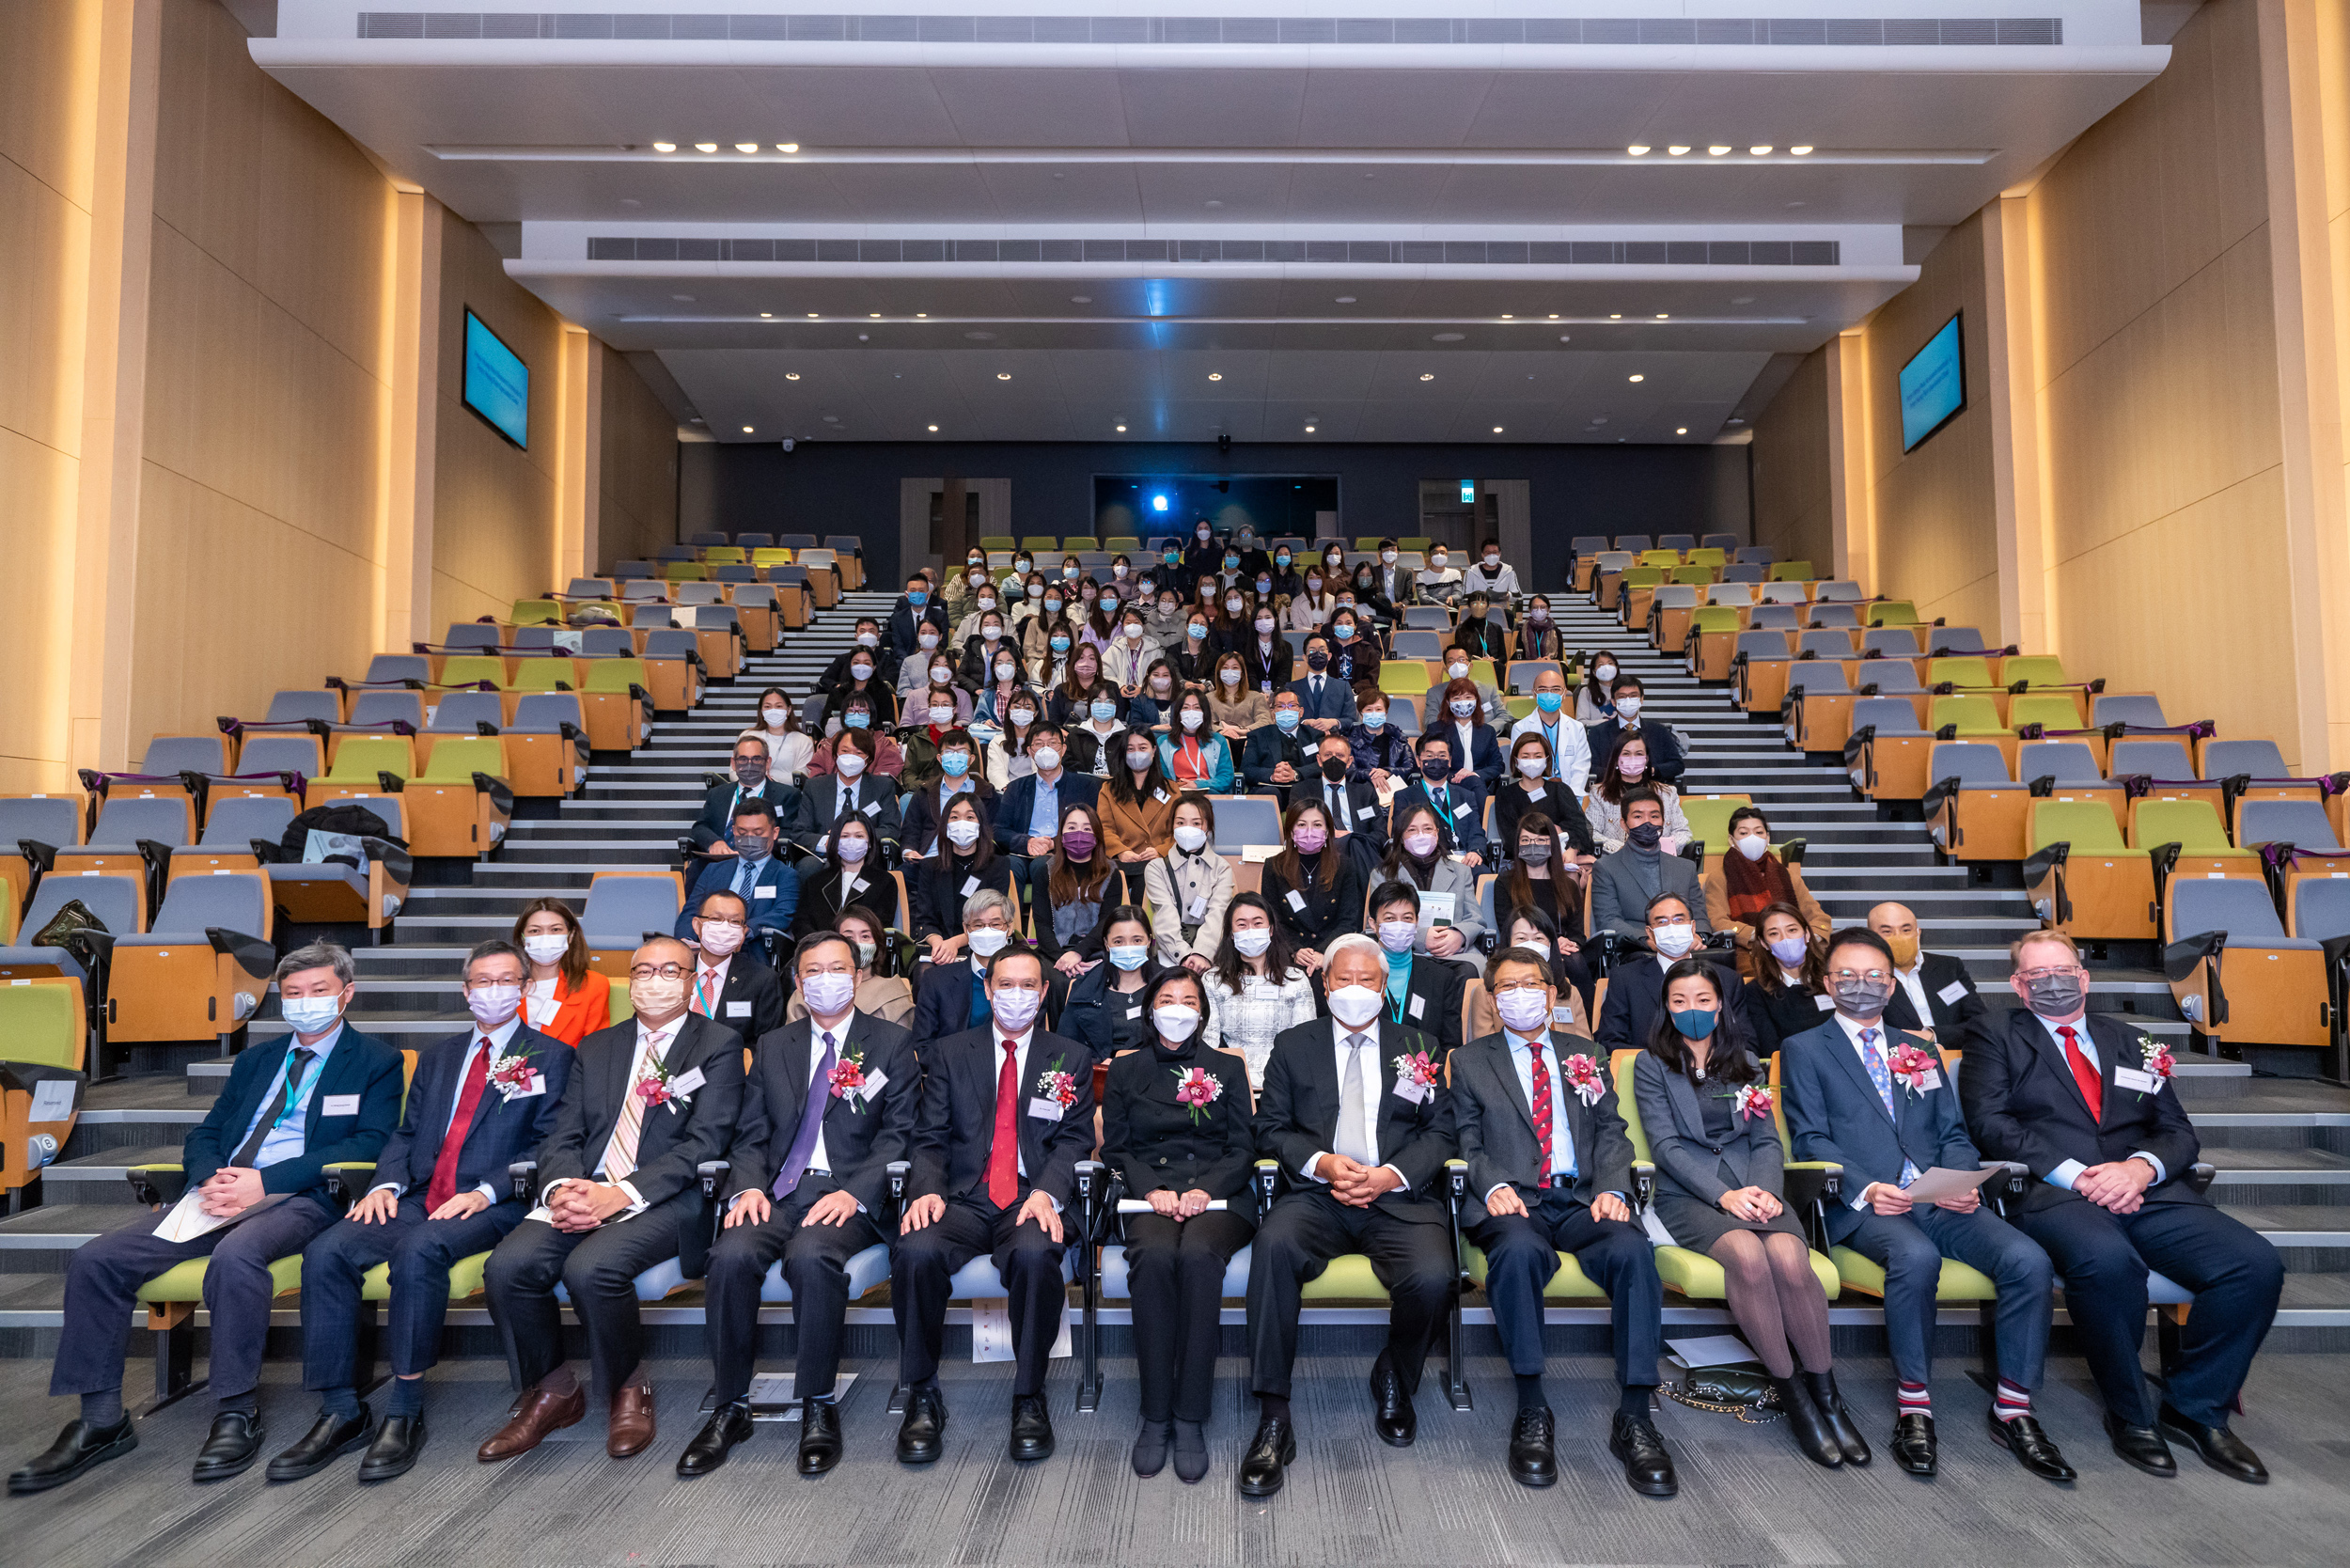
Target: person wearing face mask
[1456,718]
[1138,805]
[1358,824]
[1529,789]
[865,643]
[830,1101]
[752,780]
[562,997]
[1178,1136]
[1266,655]
[1007,675]
[913,671]
[788,746]
[1389,579]
[865,680]
[1849,1098]
[1129,655]
[1314,885]
[1309,609]
[963,864]
[918,607]
[984,1182]
[1721,1190]
[1361,1146]
[648,1101]
[440,1193]
[882,992]
[961,588]
[1235,709]
[1933,994]
[1626,881]
[1491,706]
[1154,705]
[931,722]
[952,996]
[1426,996]
[770,887]
[1536,636]
[1355,653]
[1072,701]
[1572,746]
[1203,553]
[1031,809]
[1258,986]
[1439,582]
[1636,985]
[1187,887]
[2086,1104]
[1549,1169]
[1382,751]
[1621,772]
[1289,572]
[926,810]
[1008,753]
[1102,1006]
[1452,923]
[1279,753]
[1067,888]
[731,982]
[290,1106]
[1489,574]
[856,715]
[1167,621]
[1594,703]
[1361,586]
[851,793]
[1098,737]
[1786,969]
[1484,631]
[853,874]
[1665,759]
[974,667]
[1459,807]
[1751,877]
[1326,697]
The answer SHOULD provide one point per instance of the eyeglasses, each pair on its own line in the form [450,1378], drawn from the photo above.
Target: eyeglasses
[647,971]
[1667,919]
[1536,986]
[1874,977]
[2056,971]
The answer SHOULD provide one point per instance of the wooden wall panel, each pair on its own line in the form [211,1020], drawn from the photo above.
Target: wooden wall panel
[1794,484]
[637,467]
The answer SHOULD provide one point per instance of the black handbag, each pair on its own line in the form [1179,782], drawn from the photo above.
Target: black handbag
[1743,1391]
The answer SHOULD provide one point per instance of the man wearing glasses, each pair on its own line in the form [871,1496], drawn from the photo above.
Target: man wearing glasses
[1636,987]
[647,1102]
[1879,1102]
[2086,1104]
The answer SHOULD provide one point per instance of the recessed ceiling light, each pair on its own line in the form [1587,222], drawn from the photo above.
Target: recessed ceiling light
[1003,375]
[874,315]
[1676,152]
[791,375]
[1346,298]
[1554,315]
[766,315]
[1638,151]
[1122,430]
[665,146]
[746,430]
[921,315]
[1637,377]
[1428,375]
[1309,430]
[1081,299]
[746,147]
[1715,152]
[1760,151]
[786,147]
[1683,430]
[1743,299]
[1215,375]
[1564,337]
[812,316]
[1663,316]
[934,429]
[1800,152]
[1507,317]
[705,147]
[1617,317]
[1497,430]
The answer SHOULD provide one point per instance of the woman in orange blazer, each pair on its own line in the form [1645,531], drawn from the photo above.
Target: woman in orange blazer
[563,997]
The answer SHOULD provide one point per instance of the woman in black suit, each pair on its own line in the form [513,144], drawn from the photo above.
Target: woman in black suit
[853,874]
[1788,966]
[1267,653]
[1312,884]
[1528,788]
[1720,1190]
[1176,1127]
[967,854]
[1453,719]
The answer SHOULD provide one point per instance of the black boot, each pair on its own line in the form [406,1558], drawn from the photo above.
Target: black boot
[1840,1422]
[1809,1424]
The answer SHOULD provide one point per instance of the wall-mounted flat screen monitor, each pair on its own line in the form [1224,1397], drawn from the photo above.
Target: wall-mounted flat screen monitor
[497,382]
[1933,385]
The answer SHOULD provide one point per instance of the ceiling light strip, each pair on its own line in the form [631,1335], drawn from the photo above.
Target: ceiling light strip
[664,152]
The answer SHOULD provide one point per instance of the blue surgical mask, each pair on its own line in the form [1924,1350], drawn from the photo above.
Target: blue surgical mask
[1051,604]
[1172,556]
[1695,1022]
[1129,955]
[954,765]
[1286,718]
[1231,561]
[1102,708]
[857,721]
[1198,633]
[1060,645]
[1375,721]
[1547,701]
[1068,571]
[1282,561]
[916,598]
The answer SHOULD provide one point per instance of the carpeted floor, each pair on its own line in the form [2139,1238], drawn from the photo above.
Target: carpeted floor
[1746,1497]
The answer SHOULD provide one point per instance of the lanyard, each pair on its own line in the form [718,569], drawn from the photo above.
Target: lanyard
[302,1092]
[701,990]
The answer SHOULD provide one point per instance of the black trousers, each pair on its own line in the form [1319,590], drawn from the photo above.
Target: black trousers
[924,1261]
[1522,1255]
[420,1252]
[2103,1257]
[815,1266]
[1175,1272]
[1413,1259]
[599,1268]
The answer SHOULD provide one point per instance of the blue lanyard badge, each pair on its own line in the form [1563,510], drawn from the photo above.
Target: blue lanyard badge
[302,1097]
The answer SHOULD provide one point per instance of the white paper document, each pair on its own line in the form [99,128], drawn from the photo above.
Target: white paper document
[772,1398]
[188,1220]
[1942,1182]
[991,1331]
[53,1100]
[1710,1349]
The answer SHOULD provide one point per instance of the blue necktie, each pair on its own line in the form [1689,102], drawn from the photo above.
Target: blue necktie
[811,1121]
[744,878]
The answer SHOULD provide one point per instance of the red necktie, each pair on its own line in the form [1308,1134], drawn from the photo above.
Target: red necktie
[2092,1088]
[444,1184]
[1003,1157]
[1542,1111]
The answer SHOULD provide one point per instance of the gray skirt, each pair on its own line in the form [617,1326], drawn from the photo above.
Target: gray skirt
[1698,1225]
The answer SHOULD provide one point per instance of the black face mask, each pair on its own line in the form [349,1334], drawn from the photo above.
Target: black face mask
[1316,661]
[1646,836]
[750,772]
[1333,768]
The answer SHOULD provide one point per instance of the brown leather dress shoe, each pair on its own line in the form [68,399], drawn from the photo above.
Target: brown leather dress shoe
[541,1413]
[631,1426]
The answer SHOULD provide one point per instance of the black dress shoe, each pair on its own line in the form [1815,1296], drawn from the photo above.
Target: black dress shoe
[730,1424]
[1913,1442]
[2222,1449]
[80,1447]
[1647,1466]
[1397,1422]
[925,1423]
[1533,1448]
[1191,1452]
[2031,1447]
[1031,1428]
[398,1441]
[1840,1422]
[232,1447]
[1809,1424]
[1270,1452]
[1151,1447]
[329,1439]
[2142,1446]
[820,1436]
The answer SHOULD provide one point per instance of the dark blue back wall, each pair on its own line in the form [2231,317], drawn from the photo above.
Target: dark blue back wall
[852,487]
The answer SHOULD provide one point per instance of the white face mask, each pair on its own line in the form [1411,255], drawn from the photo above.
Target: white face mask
[863,672]
[1355,1005]
[852,849]
[928,639]
[1190,839]
[987,941]
[1492,561]
[941,716]
[1387,556]
[492,1005]
[1193,718]
[1134,630]
[1016,1007]
[1532,767]
[942,676]
[1525,1010]
[547,949]
[868,639]
[1396,935]
[311,1015]
[848,763]
[1046,758]
[990,633]
[829,993]
[1138,761]
[1175,1022]
[963,835]
[1024,716]
[1253,942]
[1754,846]
[988,602]
[1264,625]
[720,938]
[1003,672]
[1422,843]
[1603,672]
[1463,706]
[774,716]
[1230,677]
[1628,706]
[1456,670]
[1673,941]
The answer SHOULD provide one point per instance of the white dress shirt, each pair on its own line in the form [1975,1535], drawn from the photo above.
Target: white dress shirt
[2065,1174]
[499,1039]
[1368,1034]
[652,1046]
[1913,980]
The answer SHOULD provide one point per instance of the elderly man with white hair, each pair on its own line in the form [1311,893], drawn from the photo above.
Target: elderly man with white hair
[1355,1111]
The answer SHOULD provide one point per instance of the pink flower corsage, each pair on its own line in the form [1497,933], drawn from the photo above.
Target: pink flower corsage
[1910,1065]
[1583,1077]
[654,1088]
[1417,1070]
[1196,1090]
[2157,1058]
[1056,1086]
[1752,1100]
[512,1075]
[848,1080]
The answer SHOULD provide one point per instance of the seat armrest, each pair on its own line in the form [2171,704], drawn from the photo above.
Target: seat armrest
[252,955]
[342,1184]
[898,1172]
[523,1174]
[710,1173]
[1643,1186]
[158,1184]
[2200,1175]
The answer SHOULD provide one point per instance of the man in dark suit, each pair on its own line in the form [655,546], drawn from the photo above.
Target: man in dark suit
[1850,1099]
[1664,759]
[919,607]
[1277,754]
[1362,1142]
[2085,1103]
[732,983]
[1356,822]
[479,1100]
[1460,807]
[867,639]
[1624,884]
[256,1165]
[852,789]
[952,996]
[1007,1114]
[1549,1166]
[1932,994]
[1635,986]
[1325,701]
[831,1102]
[1030,819]
[650,1100]
[711,828]
[770,887]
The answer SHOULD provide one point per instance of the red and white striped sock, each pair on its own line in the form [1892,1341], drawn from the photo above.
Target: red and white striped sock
[1913,1400]
[2012,1399]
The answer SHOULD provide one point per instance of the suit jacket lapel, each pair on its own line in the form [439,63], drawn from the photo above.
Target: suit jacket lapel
[1849,1055]
[1686,1111]
[1505,1064]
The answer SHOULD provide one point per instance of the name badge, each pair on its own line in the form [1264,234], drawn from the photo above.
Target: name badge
[1418,1005]
[1297,900]
[1826,1004]
[685,1083]
[1135,1012]
[1416,1094]
[1159,795]
[2131,1077]
[340,1105]
[1950,994]
[1364,812]
[872,1084]
[1198,909]
[738,1010]
[1563,1013]
[1048,1110]
[1462,810]
[1932,1079]
[872,807]
[537,1085]
[856,884]
[970,886]
[758,893]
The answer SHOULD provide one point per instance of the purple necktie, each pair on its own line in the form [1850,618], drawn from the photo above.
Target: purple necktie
[811,1120]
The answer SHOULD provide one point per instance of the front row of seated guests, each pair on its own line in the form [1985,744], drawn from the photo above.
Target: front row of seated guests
[1355,1106]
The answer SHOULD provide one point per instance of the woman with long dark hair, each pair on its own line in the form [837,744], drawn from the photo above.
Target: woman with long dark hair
[1529,786]
[1541,877]
[1103,1006]
[565,998]
[1786,966]
[967,853]
[1312,884]
[1415,855]
[1626,770]
[1067,888]
[853,874]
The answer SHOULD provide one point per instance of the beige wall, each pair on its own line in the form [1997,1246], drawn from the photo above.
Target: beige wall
[1794,495]
[636,474]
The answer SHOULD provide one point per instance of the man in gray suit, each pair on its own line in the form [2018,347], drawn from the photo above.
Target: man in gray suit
[1549,1164]
[1624,883]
